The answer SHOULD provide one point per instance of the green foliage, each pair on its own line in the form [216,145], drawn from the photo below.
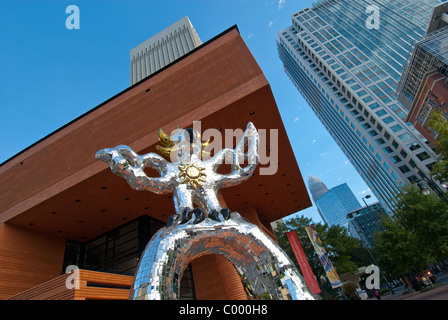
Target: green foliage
[416,235]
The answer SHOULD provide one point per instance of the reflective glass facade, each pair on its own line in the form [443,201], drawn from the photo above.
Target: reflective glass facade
[364,223]
[348,73]
[336,203]
[428,55]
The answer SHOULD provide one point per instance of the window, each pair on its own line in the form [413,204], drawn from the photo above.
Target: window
[379,127]
[115,251]
[404,137]
[388,120]
[388,150]
[404,169]
[395,159]
[395,144]
[413,146]
[380,141]
[430,166]
[396,128]
[381,113]
[423,156]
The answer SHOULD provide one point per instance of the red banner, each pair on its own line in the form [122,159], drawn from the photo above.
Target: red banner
[303,263]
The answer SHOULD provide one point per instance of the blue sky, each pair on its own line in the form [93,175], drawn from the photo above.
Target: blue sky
[50,75]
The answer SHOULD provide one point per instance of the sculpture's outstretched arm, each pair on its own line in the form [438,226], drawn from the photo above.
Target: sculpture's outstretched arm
[240,174]
[124,162]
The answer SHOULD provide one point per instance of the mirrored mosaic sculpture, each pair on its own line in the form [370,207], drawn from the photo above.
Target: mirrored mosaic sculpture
[200,225]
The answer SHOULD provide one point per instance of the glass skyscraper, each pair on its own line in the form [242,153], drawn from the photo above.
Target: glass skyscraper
[348,71]
[365,222]
[334,205]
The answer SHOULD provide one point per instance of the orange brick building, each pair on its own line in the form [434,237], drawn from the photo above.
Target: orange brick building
[60,206]
[431,96]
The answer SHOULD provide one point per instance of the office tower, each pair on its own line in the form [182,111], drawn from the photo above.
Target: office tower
[317,190]
[317,187]
[424,85]
[332,204]
[162,49]
[348,70]
[365,222]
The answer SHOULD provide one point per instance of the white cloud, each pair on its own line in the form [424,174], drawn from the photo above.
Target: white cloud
[271,23]
[346,162]
[296,119]
[314,141]
[250,36]
[363,191]
[281,3]
[323,154]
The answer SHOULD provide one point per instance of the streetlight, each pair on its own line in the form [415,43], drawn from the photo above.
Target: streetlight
[431,184]
[364,240]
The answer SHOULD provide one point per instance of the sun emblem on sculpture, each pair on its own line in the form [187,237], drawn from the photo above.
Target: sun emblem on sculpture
[192,174]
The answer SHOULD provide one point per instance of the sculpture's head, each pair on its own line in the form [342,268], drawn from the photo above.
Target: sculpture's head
[181,145]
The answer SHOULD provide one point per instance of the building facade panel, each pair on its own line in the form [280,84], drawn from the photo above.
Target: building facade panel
[162,49]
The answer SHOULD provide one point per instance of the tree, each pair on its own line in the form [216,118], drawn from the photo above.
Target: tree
[438,123]
[416,235]
[350,290]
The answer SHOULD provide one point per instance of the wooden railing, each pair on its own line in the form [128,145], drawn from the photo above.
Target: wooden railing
[93,285]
